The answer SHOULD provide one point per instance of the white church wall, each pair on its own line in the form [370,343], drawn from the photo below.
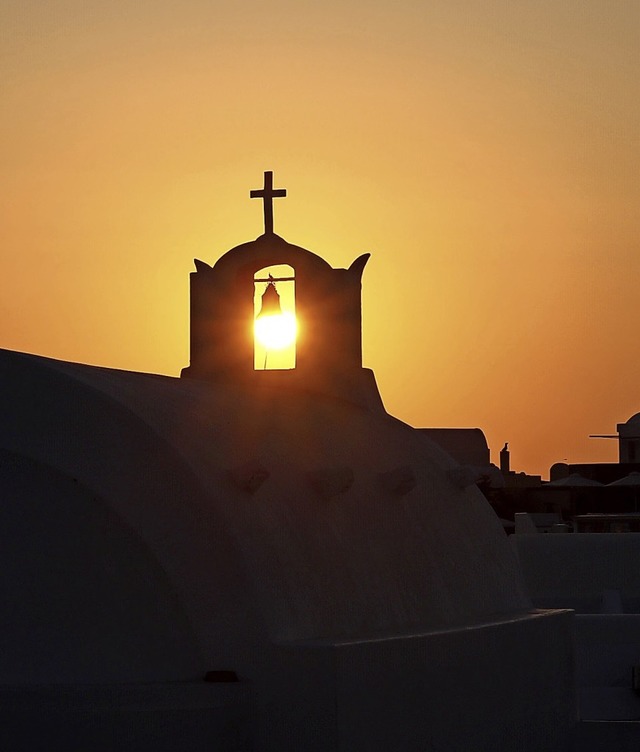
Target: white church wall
[82,598]
[440,691]
[607,647]
[597,574]
[156,717]
[506,686]
[579,570]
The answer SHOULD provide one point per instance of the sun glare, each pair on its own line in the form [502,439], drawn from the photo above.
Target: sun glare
[276,332]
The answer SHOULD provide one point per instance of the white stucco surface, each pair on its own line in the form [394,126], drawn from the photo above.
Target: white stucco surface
[157,528]
[579,570]
[161,453]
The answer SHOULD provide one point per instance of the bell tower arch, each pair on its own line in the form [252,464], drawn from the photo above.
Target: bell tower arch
[327,305]
[275,323]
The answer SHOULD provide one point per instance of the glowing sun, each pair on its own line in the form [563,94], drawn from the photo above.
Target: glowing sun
[277,331]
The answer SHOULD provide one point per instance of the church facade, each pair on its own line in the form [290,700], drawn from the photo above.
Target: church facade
[246,559]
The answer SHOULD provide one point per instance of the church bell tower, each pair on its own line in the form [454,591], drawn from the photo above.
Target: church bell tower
[327,306]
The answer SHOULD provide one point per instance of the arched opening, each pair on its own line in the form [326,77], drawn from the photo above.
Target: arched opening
[275,323]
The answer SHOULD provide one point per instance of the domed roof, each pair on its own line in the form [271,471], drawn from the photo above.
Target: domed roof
[269,250]
[631,428]
[261,513]
[634,420]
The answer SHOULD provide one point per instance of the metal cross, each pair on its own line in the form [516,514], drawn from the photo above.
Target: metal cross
[267,194]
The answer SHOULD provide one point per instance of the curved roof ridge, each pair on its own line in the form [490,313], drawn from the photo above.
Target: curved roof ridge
[268,244]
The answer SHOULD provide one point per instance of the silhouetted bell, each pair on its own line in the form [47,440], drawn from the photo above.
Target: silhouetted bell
[270,302]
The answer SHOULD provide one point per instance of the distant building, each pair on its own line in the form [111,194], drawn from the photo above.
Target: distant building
[595,571]
[468,447]
[629,440]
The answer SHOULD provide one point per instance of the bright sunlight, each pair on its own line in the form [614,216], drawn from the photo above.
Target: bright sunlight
[277,331]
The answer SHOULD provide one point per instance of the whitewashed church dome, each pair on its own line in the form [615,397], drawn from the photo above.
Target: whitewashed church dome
[156,527]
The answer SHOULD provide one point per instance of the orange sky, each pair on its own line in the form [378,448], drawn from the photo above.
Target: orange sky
[486,154]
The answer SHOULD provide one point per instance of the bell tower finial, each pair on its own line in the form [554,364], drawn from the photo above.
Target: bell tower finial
[267,193]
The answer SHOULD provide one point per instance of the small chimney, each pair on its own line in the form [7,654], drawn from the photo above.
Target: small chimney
[505,461]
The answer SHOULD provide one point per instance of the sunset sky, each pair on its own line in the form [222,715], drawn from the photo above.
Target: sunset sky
[485,153]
